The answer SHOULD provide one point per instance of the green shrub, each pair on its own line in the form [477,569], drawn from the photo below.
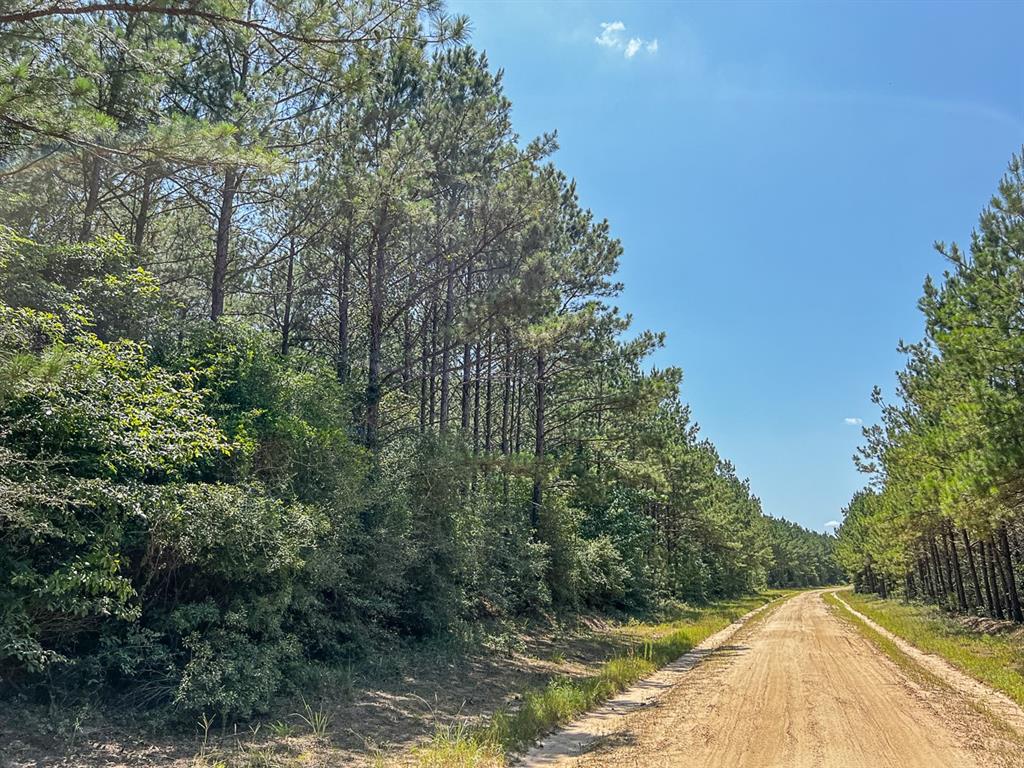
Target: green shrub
[602,576]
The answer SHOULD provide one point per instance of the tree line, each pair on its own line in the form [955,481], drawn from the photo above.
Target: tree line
[941,520]
[304,350]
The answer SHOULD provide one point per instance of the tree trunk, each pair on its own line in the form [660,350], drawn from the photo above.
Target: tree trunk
[974,570]
[506,392]
[988,585]
[519,410]
[344,292]
[515,402]
[869,576]
[222,243]
[937,566]
[476,400]
[467,368]
[376,279]
[91,168]
[433,365]
[286,320]
[408,343]
[992,557]
[538,444]
[923,575]
[488,401]
[1011,580]
[449,316]
[466,365]
[424,368]
[958,577]
[142,214]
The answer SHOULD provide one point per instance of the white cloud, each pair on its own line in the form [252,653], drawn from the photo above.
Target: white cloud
[832,524]
[610,36]
[853,421]
[613,36]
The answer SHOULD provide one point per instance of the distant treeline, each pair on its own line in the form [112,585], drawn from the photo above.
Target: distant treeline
[942,519]
[302,350]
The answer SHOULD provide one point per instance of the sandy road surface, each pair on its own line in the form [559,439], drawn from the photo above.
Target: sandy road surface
[800,688]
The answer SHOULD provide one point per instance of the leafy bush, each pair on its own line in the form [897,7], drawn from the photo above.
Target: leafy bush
[602,576]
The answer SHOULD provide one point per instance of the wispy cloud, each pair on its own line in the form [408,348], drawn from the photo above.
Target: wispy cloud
[853,421]
[613,35]
[832,524]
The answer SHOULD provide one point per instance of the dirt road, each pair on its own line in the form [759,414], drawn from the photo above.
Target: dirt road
[797,689]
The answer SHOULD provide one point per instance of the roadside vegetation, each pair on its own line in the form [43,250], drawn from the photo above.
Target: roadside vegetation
[308,359]
[941,521]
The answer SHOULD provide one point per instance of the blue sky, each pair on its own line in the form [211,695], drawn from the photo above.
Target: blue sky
[777,174]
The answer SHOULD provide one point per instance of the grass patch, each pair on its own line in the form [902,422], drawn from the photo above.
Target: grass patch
[563,698]
[996,660]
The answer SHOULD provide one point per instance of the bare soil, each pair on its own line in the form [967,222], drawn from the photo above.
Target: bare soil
[799,689]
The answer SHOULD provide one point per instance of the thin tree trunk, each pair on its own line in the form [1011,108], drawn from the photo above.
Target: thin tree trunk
[376,279]
[407,345]
[424,369]
[467,369]
[476,400]
[538,444]
[923,576]
[488,402]
[466,364]
[142,215]
[961,594]
[515,402]
[506,392]
[222,242]
[449,316]
[519,397]
[979,601]
[344,302]
[433,365]
[91,168]
[988,585]
[286,321]
[1011,580]
[937,564]
[992,557]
